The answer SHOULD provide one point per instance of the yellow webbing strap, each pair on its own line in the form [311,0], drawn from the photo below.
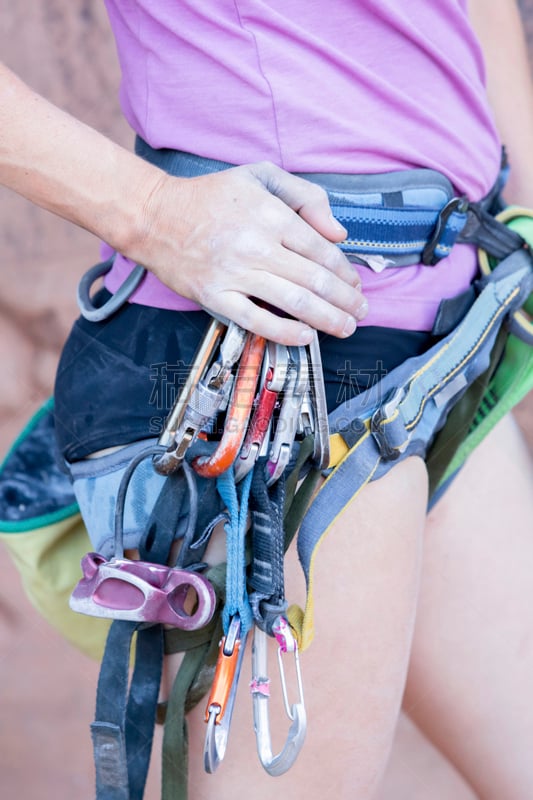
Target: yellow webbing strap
[337,449]
[302,622]
[354,467]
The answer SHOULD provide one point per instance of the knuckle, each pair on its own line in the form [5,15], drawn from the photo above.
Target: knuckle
[266,172]
[299,302]
[318,194]
[247,316]
[334,257]
[320,283]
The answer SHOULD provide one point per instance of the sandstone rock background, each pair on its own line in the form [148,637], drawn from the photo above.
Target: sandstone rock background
[65,51]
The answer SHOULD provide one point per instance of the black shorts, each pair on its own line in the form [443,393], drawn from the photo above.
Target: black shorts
[117,380]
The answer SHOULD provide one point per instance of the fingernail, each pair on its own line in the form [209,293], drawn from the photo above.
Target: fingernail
[362,311]
[350,326]
[339,227]
[306,336]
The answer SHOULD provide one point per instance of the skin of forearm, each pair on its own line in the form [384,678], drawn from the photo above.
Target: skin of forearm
[221,239]
[68,168]
[498,25]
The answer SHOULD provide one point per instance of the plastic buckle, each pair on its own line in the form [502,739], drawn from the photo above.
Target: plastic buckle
[384,416]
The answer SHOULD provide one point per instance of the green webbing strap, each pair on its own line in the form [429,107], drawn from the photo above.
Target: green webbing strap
[512,377]
[192,682]
[510,383]
[175,738]
[297,499]
[460,420]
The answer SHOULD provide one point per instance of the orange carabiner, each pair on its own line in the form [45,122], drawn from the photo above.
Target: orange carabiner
[223,681]
[238,413]
[219,709]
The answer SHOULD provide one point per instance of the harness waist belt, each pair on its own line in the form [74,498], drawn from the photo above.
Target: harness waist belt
[392,219]
[393,215]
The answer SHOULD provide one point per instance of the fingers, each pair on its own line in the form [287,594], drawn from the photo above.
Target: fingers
[307,199]
[332,306]
[310,292]
[255,232]
[312,230]
[300,238]
[252,317]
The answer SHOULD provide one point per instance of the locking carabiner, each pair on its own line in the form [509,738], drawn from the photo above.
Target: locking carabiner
[260,688]
[238,414]
[185,420]
[273,378]
[296,385]
[221,700]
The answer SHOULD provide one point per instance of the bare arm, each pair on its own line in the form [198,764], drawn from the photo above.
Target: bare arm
[498,25]
[220,239]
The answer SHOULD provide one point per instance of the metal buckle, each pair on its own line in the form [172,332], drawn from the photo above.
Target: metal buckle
[381,417]
[459,204]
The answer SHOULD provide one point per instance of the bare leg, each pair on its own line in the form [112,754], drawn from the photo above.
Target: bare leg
[470,685]
[418,771]
[354,673]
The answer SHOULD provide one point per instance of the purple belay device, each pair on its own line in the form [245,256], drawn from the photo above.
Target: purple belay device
[140,591]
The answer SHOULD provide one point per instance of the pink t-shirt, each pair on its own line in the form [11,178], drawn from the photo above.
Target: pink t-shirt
[362,86]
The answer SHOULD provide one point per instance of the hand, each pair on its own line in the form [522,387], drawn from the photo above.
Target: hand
[253,233]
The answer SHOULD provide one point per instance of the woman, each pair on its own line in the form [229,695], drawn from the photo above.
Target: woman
[367,88]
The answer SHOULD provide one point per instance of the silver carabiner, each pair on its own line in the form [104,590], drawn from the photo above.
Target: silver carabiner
[320,409]
[260,688]
[203,395]
[294,390]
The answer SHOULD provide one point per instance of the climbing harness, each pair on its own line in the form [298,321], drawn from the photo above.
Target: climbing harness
[273,399]
[245,445]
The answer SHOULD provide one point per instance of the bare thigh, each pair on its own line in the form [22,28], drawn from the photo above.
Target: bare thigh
[367,582]
[470,684]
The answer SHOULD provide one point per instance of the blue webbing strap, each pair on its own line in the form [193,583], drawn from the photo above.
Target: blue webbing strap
[421,392]
[397,231]
[237,602]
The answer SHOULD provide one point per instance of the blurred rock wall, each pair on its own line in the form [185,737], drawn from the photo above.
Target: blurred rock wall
[63,49]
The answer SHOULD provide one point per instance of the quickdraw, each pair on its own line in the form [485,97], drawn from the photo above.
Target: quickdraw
[272,395]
